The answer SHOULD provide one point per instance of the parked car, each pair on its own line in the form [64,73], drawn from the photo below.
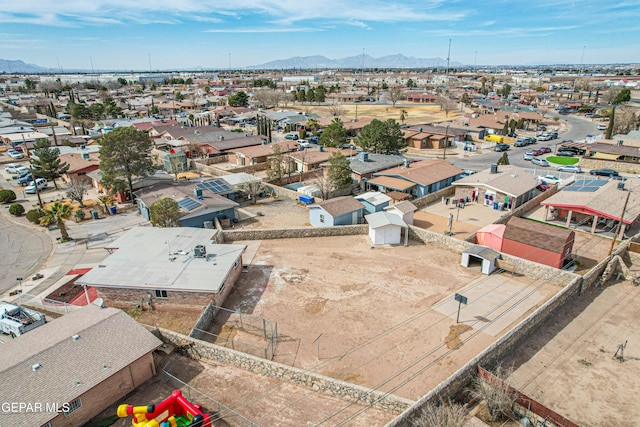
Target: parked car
[539,162]
[544,137]
[467,173]
[617,178]
[537,152]
[314,139]
[14,168]
[303,143]
[25,179]
[14,154]
[543,187]
[512,135]
[602,126]
[604,172]
[19,149]
[501,147]
[291,136]
[31,188]
[545,149]
[528,155]
[570,168]
[548,179]
[521,143]
[553,134]
[563,153]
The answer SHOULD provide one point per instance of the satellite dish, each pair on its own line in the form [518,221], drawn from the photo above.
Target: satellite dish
[99,302]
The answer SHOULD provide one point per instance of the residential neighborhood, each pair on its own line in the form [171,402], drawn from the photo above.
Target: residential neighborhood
[321,246]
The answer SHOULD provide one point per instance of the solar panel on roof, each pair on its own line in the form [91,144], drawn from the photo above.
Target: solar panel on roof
[586,185]
[215,186]
[188,204]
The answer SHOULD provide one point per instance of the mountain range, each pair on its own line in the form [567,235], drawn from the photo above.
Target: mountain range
[354,62]
[18,66]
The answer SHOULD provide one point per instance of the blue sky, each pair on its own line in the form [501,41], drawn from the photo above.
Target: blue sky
[125,34]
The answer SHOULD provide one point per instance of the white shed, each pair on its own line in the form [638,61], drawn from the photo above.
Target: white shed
[404,209]
[481,256]
[385,228]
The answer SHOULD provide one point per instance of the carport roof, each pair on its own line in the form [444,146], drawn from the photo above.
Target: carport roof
[482,252]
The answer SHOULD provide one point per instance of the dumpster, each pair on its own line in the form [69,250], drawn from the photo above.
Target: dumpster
[113,210]
[94,214]
[306,199]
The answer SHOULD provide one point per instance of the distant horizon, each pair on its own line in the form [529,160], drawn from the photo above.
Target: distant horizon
[204,34]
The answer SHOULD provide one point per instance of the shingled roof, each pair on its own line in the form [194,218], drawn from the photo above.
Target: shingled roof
[537,234]
[108,341]
[340,205]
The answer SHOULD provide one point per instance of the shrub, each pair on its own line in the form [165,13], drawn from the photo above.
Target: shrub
[34,215]
[7,196]
[79,215]
[16,209]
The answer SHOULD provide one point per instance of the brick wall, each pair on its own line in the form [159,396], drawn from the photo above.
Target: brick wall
[589,163]
[426,200]
[229,283]
[129,298]
[109,392]
[319,383]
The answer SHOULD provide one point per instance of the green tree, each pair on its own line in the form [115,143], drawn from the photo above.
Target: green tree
[16,209]
[339,171]
[58,213]
[321,93]
[312,124]
[239,99]
[7,196]
[505,91]
[623,96]
[46,161]
[504,160]
[165,213]
[125,153]
[335,134]
[382,137]
[411,83]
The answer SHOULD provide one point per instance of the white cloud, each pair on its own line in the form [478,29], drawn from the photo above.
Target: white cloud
[262,30]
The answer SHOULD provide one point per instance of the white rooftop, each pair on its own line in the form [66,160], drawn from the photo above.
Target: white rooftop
[381,219]
[374,197]
[164,258]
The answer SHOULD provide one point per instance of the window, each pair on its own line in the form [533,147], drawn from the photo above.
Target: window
[73,406]
[322,218]
[161,294]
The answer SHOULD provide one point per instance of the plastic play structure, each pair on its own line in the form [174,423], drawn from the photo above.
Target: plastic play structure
[174,411]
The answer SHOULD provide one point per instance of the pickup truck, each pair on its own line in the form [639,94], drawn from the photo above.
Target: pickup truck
[16,320]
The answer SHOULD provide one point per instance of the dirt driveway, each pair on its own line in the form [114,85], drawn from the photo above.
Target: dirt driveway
[362,314]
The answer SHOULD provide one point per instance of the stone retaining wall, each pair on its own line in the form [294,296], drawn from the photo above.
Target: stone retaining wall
[282,193]
[294,233]
[205,321]
[589,163]
[320,383]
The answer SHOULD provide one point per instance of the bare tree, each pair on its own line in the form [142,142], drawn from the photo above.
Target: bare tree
[252,189]
[611,94]
[267,98]
[326,187]
[446,104]
[496,393]
[443,414]
[395,94]
[77,189]
[336,110]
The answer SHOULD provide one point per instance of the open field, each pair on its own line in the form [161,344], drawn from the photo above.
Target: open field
[378,317]
[414,113]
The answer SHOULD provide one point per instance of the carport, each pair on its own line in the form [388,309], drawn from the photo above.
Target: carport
[480,255]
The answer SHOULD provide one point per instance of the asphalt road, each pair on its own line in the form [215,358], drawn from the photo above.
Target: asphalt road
[22,252]
[578,129]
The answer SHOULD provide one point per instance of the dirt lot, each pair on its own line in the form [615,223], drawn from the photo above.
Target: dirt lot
[569,363]
[360,314]
[413,113]
[180,321]
[263,400]
[274,214]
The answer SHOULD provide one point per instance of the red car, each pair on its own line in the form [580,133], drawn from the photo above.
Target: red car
[538,152]
[18,149]
[545,149]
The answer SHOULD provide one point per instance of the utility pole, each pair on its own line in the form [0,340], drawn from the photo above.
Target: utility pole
[448,58]
[33,176]
[92,70]
[613,241]
[149,55]
[475,61]
[362,69]
[446,142]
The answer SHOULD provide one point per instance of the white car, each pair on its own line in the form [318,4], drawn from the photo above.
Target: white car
[14,168]
[602,127]
[570,168]
[540,162]
[14,154]
[303,143]
[545,137]
[31,188]
[549,179]
[528,155]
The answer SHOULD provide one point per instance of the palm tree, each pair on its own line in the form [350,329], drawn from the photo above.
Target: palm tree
[57,213]
[403,115]
[106,201]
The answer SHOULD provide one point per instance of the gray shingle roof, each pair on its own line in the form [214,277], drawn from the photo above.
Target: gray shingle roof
[108,337]
[341,205]
[375,163]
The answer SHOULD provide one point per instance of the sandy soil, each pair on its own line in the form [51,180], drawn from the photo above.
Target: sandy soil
[265,401]
[569,363]
[179,321]
[275,214]
[414,114]
[342,310]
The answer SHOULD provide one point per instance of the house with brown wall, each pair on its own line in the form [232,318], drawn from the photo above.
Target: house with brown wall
[72,368]
[166,268]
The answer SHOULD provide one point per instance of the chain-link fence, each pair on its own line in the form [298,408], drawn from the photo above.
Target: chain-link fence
[39,303]
[221,415]
[240,331]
